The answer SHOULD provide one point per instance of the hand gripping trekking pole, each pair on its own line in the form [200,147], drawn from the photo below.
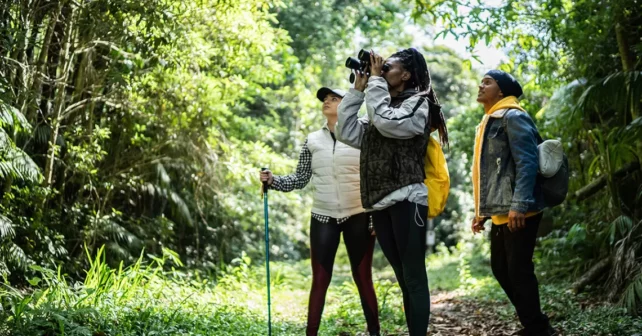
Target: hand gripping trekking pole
[267,252]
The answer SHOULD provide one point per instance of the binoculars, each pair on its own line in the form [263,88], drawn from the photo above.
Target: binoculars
[361,63]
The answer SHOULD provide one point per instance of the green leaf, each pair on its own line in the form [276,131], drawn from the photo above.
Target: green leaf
[34,281]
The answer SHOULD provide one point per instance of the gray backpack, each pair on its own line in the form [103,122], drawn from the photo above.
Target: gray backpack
[553,171]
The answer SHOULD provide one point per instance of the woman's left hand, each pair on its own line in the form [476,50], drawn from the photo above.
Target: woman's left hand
[376,64]
[362,81]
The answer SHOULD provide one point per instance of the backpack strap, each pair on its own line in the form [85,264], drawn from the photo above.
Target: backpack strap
[505,125]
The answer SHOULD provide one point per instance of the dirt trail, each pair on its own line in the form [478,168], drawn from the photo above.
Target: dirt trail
[451,316]
[454,317]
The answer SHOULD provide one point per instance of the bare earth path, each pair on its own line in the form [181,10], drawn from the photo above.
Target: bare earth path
[451,316]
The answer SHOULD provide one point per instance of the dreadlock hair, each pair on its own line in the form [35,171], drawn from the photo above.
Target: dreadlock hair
[413,61]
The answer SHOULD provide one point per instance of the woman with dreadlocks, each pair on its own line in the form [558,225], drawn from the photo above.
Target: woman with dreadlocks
[402,109]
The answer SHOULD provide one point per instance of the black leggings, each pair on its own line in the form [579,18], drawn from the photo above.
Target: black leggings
[401,232]
[324,241]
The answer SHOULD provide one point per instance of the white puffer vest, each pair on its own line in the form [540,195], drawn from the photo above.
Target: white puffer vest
[335,176]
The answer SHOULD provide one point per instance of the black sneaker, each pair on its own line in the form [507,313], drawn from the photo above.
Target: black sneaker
[551,332]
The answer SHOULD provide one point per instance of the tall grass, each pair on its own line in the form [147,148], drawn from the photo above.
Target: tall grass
[154,297]
[142,299]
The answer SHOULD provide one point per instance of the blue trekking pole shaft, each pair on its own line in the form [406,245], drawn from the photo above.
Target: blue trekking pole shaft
[267,252]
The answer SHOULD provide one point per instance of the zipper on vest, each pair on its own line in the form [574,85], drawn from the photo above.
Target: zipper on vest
[334,172]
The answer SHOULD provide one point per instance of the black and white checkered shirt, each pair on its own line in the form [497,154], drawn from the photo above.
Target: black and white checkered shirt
[300,179]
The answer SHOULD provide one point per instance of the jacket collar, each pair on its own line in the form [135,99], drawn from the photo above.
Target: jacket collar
[499,113]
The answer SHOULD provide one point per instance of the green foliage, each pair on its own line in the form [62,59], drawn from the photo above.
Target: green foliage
[547,36]
[154,295]
[320,30]
[15,164]
[169,112]
[137,299]
[159,137]
[632,298]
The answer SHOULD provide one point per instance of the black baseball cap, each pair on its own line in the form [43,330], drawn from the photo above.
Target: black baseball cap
[324,91]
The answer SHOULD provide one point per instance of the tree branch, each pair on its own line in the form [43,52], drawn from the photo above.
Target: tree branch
[80,104]
[599,183]
[592,274]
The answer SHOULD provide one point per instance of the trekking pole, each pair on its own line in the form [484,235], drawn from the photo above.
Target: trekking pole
[267,252]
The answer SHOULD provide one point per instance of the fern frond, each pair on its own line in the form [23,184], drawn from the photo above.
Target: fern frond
[620,91]
[6,228]
[13,119]
[632,296]
[19,165]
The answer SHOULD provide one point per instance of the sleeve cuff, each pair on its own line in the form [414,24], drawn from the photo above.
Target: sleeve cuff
[276,183]
[521,207]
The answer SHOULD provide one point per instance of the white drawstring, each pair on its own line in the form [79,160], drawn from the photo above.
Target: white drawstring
[417,214]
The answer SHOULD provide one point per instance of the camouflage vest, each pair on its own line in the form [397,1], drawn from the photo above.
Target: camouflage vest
[389,164]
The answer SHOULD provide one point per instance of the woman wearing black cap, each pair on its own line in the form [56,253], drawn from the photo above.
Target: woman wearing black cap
[505,168]
[333,168]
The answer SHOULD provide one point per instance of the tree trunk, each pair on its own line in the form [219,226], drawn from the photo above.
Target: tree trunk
[66,60]
[82,73]
[4,27]
[41,64]
[17,77]
[626,54]
[38,16]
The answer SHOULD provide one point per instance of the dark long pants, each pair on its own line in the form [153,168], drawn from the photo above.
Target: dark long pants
[401,232]
[511,255]
[324,241]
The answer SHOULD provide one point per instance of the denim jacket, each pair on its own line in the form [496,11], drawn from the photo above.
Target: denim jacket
[509,165]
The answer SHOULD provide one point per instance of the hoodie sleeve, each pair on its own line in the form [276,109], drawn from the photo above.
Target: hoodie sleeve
[404,122]
[350,128]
